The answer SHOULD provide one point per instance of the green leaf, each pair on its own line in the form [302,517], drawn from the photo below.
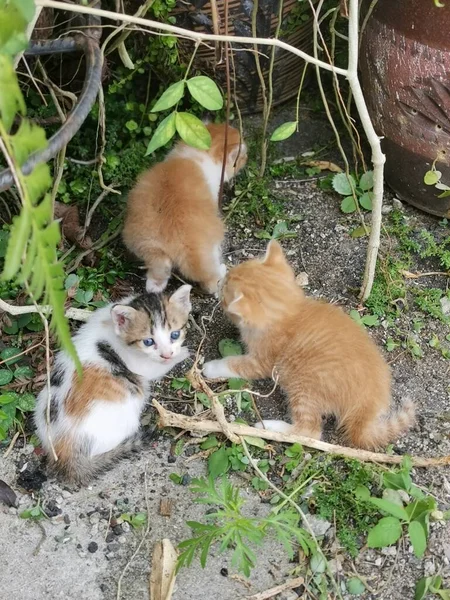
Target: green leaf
[26,402]
[210,442]
[23,372]
[163,134]
[192,131]
[218,462]
[341,184]
[418,538]
[370,320]
[366,181]
[11,99]
[229,347]
[422,587]
[284,131]
[255,441]
[366,200]
[26,7]
[348,205]
[235,383]
[8,398]
[391,508]
[387,531]
[71,281]
[206,92]
[131,125]
[359,231]
[6,376]
[170,97]
[362,493]
[4,236]
[432,177]
[317,564]
[176,478]
[355,586]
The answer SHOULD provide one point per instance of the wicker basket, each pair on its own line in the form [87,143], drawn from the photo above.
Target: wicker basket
[296,29]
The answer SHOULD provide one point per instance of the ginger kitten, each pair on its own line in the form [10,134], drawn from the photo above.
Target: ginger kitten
[172,215]
[326,363]
[95,420]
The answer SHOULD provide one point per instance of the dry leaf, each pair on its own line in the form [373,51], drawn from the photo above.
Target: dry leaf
[7,495]
[324,165]
[70,225]
[165,507]
[162,576]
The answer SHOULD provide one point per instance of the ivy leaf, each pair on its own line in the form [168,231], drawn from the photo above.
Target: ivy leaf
[170,97]
[366,181]
[228,347]
[163,134]
[366,200]
[418,538]
[206,92]
[218,463]
[387,531]
[348,205]
[355,586]
[193,131]
[284,131]
[341,184]
[26,402]
[432,177]
[5,376]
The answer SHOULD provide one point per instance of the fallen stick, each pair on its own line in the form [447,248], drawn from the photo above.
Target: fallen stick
[77,314]
[163,573]
[288,585]
[170,419]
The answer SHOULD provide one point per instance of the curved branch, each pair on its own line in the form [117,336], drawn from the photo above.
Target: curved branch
[92,82]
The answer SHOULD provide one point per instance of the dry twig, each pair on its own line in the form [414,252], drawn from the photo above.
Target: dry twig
[170,419]
[287,585]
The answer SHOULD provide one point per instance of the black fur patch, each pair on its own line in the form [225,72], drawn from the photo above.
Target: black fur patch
[153,305]
[54,409]
[57,377]
[118,367]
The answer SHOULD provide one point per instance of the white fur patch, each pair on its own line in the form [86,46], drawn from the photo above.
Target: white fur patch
[155,288]
[215,369]
[211,170]
[274,425]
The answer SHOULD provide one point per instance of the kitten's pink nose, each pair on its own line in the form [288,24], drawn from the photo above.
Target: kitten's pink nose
[167,356]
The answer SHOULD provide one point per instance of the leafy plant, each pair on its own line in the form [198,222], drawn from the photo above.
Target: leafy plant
[365,320]
[34,235]
[280,232]
[36,513]
[433,178]
[353,191]
[431,585]
[13,406]
[228,526]
[412,516]
[136,520]
[189,127]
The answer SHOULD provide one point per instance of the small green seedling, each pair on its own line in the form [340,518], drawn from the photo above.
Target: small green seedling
[36,513]
[413,516]
[431,585]
[136,520]
[365,320]
[280,232]
[346,186]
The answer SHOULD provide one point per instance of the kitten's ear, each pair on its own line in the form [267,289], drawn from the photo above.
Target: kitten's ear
[182,298]
[238,306]
[122,317]
[274,255]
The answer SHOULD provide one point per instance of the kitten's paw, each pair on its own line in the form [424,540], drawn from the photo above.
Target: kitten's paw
[155,287]
[216,369]
[274,425]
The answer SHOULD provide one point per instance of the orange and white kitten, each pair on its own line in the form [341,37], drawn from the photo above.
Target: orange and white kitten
[172,215]
[325,361]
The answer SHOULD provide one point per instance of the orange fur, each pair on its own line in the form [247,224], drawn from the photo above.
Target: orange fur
[325,362]
[173,219]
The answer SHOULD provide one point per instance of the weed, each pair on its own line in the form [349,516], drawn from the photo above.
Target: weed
[431,586]
[346,186]
[136,520]
[228,525]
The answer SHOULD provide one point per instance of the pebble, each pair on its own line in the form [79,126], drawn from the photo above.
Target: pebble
[429,568]
[94,518]
[386,209]
[113,546]
[378,561]
[66,494]
[302,279]
[29,449]
[12,510]
[390,551]
[118,530]
[93,547]
[110,537]
[67,519]
[122,540]
[110,555]
[396,203]
[126,527]
[445,305]
[318,526]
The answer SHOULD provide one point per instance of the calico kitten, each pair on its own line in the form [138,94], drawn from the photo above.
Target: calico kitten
[325,361]
[172,214]
[122,348]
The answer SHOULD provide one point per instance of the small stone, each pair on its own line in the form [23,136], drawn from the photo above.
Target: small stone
[224,572]
[118,530]
[59,500]
[66,494]
[445,305]
[389,551]
[113,546]
[302,279]
[110,555]
[378,561]
[186,479]
[12,510]
[93,547]
[396,204]
[126,527]
[110,537]
[122,540]
[29,449]
[171,459]
[67,519]
[82,554]
[94,518]
[429,568]
[386,209]
[318,526]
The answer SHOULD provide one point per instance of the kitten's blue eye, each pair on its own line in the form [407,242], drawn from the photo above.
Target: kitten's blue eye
[148,342]
[174,335]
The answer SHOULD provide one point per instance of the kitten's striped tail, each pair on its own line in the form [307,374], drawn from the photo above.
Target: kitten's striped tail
[78,467]
[386,428]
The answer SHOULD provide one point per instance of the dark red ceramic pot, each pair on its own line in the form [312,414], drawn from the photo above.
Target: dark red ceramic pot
[405,71]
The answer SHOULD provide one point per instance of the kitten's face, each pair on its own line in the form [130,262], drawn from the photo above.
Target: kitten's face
[154,324]
[236,149]
[256,292]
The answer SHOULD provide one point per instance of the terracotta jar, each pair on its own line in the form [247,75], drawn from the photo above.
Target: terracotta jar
[405,71]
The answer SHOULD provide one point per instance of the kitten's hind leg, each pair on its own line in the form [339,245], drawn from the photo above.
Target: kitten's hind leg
[307,421]
[159,268]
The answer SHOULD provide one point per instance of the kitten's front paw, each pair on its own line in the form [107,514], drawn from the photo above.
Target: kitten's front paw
[216,369]
[155,287]
[279,426]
